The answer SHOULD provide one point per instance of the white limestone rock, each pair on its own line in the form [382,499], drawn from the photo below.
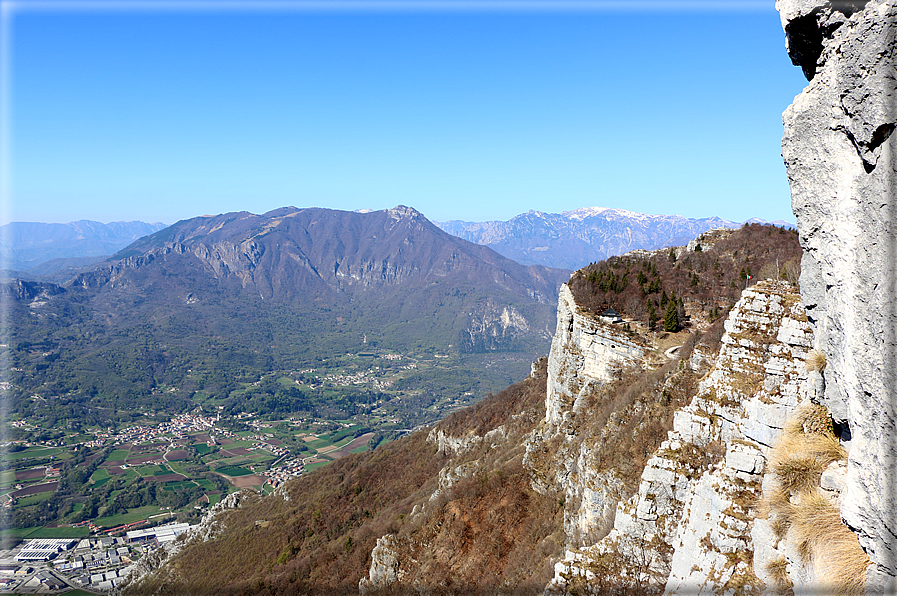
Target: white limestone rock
[839,154]
[584,352]
[385,567]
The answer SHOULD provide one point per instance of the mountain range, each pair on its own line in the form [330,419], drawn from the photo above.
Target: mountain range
[568,240]
[56,246]
[238,293]
[573,239]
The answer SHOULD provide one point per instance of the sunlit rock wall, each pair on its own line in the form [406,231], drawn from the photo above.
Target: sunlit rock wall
[584,351]
[838,148]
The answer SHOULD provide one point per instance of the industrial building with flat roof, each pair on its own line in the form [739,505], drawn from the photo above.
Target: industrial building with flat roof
[44,549]
[161,534]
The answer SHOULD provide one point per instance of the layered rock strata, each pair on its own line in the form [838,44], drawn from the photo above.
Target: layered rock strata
[689,526]
[839,153]
[585,351]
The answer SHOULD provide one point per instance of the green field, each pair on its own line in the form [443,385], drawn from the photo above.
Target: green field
[310,467]
[133,515]
[344,441]
[63,532]
[233,471]
[318,444]
[361,449]
[118,455]
[152,470]
[177,484]
[32,499]
[202,448]
[33,452]
[99,474]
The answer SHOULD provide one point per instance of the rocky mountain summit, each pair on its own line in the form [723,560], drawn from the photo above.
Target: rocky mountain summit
[240,291]
[839,152]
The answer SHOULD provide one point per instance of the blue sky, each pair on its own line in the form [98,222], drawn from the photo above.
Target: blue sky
[164,111]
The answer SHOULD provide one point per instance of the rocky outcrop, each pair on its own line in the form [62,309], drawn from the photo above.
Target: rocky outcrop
[585,351]
[493,327]
[689,525]
[385,566]
[839,152]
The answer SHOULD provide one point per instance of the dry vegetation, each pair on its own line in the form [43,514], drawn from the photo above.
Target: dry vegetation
[708,281]
[815,361]
[799,511]
[491,529]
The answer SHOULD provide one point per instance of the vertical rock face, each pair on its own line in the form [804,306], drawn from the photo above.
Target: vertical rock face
[688,529]
[584,351]
[839,152]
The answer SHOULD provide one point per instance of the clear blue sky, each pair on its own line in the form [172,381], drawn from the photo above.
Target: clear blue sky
[172,111]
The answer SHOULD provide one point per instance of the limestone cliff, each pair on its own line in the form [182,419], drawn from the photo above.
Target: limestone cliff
[689,525]
[585,351]
[839,152]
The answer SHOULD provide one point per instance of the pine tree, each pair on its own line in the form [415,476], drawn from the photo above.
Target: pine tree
[652,314]
[671,319]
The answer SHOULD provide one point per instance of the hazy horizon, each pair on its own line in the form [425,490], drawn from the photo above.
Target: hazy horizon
[463,112]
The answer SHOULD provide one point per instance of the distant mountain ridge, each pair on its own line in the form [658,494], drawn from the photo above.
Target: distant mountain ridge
[25,245]
[573,239]
[226,294]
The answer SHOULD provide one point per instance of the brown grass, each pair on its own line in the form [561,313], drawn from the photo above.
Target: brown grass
[806,447]
[815,361]
[778,572]
[833,548]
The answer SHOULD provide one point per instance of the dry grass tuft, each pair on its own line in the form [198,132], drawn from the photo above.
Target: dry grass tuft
[834,549]
[810,419]
[815,361]
[806,447]
[798,472]
[778,572]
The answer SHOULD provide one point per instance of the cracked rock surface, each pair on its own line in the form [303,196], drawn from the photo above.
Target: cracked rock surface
[839,153]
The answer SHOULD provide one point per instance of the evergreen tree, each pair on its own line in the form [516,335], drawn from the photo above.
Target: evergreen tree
[680,311]
[652,314]
[671,319]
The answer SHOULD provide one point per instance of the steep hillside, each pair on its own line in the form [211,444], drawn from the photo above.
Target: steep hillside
[711,471]
[316,536]
[212,300]
[573,239]
[707,275]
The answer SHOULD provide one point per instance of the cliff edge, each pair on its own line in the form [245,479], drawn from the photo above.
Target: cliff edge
[838,149]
